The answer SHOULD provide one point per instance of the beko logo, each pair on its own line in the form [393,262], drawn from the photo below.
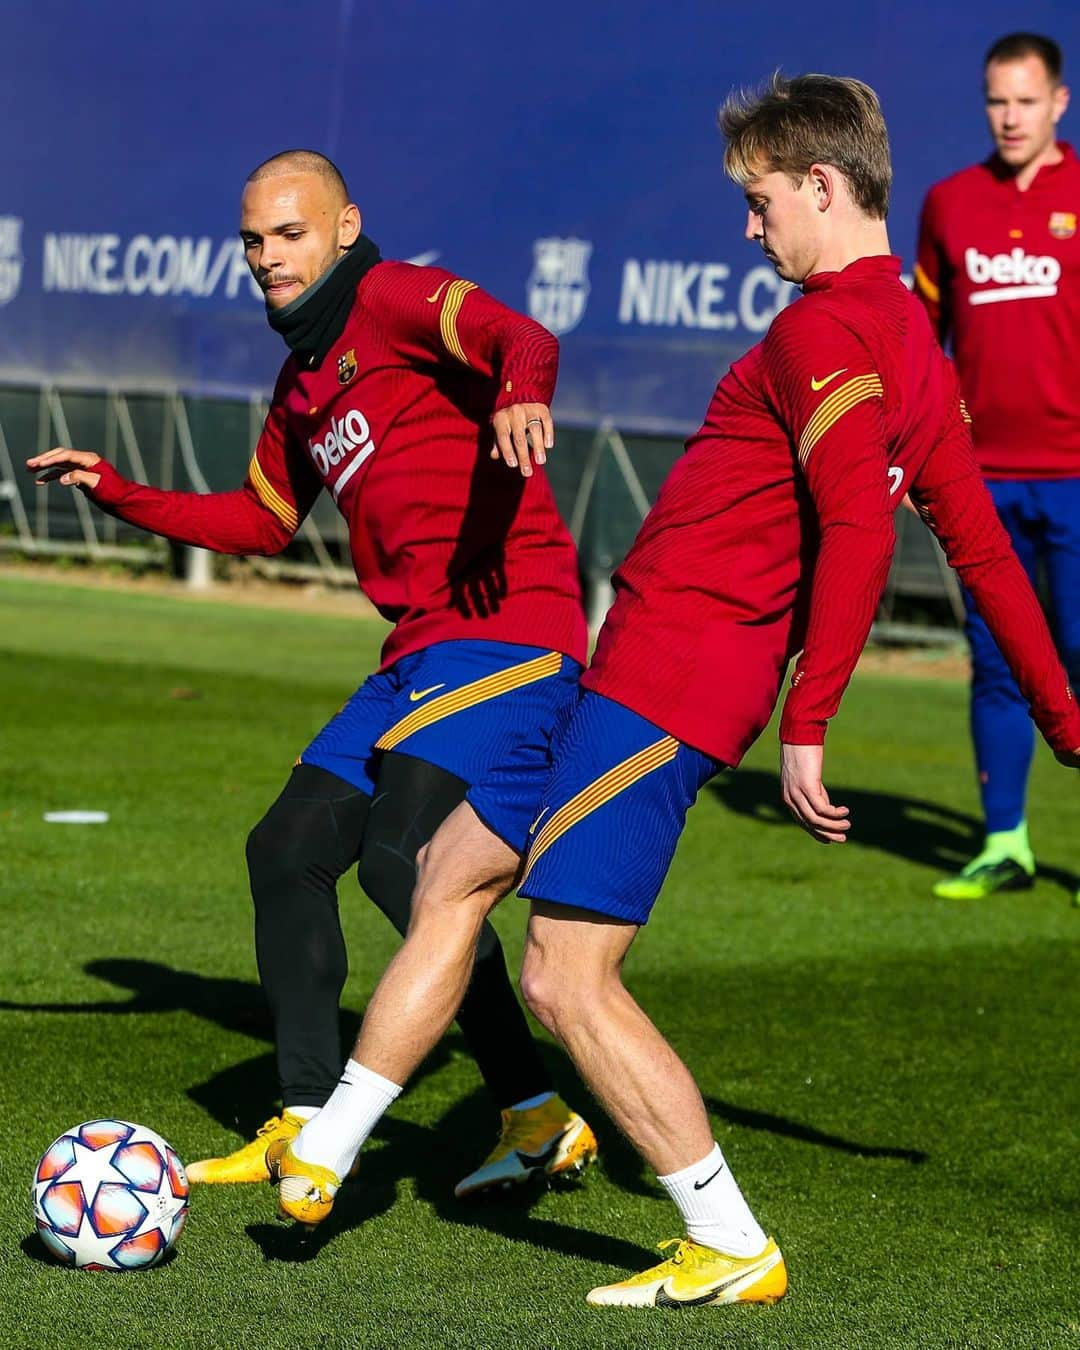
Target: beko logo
[346,436]
[1014,276]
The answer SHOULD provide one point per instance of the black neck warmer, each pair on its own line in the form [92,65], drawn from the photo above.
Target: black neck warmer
[314,321]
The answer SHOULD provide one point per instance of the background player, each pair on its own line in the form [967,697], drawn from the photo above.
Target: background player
[397,378]
[772,536]
[999,271]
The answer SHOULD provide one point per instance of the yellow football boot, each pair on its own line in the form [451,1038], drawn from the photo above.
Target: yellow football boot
[248,1163]
[1006,863]
[548,1139]
[698,1277]
[305,1190]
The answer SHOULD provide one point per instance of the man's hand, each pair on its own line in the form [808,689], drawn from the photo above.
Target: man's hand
[69,466]
[519,429]
[805,796]
[1070,758]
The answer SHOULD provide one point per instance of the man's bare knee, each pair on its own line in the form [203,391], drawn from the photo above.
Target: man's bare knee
[557,990]
[540,989]
[572,967]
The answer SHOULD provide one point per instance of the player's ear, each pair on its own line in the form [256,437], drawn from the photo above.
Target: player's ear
[349,223]
[822,184]
[1061,102]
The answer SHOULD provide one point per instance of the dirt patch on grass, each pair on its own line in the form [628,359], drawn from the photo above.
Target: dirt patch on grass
[242,587]
[925,663]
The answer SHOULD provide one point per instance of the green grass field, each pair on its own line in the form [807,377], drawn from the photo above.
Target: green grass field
[892,1078]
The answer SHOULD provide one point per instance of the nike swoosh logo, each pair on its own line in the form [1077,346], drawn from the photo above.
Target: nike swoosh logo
[665,1300]
[541,1159]
[432,298]
[539,818]
[700,1185]
[415,695]
[815,385]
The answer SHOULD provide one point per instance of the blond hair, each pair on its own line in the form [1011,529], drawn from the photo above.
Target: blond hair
[810,119]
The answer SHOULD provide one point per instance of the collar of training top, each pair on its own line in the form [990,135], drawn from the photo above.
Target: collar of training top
[315,320]
[874,264]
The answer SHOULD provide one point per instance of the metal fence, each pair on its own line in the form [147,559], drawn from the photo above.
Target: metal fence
[604,482]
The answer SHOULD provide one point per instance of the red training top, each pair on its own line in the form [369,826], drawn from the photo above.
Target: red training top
[999,271]
[395,424]
[774,532]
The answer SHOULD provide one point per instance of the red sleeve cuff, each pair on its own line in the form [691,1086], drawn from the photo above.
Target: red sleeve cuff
[112,485]
[796,732]
[531,390]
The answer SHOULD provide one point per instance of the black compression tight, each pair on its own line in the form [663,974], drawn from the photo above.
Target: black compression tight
[317,829]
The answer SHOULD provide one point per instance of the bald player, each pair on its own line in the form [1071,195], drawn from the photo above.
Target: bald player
[421,405]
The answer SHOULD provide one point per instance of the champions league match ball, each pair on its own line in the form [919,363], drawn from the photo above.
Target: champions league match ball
[109,1195]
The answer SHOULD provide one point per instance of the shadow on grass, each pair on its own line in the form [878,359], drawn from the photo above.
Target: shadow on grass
[912,828]
[34,1249]
[434,1159]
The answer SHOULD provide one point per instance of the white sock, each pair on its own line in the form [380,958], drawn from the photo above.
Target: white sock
[713,1208]
[334,1136]
[304,1112]
[530,1102]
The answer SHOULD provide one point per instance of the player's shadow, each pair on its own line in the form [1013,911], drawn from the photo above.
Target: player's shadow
[434,1158]
[920,831]
[239,1096]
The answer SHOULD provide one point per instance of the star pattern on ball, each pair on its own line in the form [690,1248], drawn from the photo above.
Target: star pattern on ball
[93,1248]
[92,1168]
[162,1207]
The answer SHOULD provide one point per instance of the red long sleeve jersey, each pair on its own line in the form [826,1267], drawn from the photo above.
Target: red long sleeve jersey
[774,532]
[999,271]
[395,425]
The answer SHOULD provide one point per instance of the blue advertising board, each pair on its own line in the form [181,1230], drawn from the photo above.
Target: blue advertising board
[564,156]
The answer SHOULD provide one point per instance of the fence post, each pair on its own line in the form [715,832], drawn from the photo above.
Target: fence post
[198,568]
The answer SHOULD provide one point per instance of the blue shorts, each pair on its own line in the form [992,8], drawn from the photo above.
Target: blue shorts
[483,711]
[612,811]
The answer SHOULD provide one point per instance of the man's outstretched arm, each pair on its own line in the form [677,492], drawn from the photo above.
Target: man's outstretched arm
[259,518]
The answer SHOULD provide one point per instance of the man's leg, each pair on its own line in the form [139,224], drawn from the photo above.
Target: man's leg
[612,815]
[412,799]
[462,874]
[539,1133]
[296,853]
[572,981]
[1002,733]
[633,1072]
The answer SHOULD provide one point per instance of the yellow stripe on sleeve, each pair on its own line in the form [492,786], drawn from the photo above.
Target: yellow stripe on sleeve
[455,294]
[926,286]
[831,409]
[469,695]
[271,498]
[594,796]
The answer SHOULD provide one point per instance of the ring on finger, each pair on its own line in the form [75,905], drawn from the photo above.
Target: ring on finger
[538,421]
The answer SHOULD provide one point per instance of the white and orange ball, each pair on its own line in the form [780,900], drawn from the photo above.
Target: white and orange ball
[110,1195]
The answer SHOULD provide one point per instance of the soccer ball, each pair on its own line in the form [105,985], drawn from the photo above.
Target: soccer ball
[109,1195]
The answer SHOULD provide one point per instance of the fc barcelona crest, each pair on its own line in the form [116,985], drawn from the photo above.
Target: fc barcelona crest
[559,284]
[1063,224]
[346,366]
